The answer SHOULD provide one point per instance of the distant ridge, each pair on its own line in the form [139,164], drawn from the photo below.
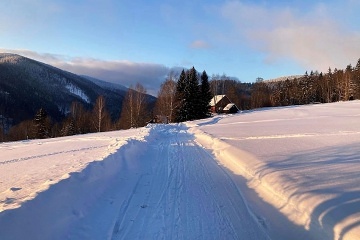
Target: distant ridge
[106,85]
[283,78]
[27,85]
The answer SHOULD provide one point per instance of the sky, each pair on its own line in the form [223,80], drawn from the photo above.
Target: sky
[130,41]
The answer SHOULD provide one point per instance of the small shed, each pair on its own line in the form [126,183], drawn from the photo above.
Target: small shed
[222,104]
[230,108]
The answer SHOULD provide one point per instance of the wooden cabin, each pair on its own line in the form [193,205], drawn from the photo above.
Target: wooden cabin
[222,104]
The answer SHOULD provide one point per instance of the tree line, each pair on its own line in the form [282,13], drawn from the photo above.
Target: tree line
[186,97]
[333,86]
[182,99]
[81,120]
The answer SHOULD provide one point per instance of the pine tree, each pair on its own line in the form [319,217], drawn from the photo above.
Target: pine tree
[205,96]
[357,80]
[192,99]
[180,109]
[40,128]
[68,128]
[192,95]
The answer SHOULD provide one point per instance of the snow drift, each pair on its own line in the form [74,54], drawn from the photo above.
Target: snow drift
[278,173]
[304,160]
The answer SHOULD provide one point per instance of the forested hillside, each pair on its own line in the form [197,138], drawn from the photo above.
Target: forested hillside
[28,87]
[333,86]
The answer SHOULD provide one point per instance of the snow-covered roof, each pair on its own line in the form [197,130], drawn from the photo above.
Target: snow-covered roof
[229,106]
[216,99]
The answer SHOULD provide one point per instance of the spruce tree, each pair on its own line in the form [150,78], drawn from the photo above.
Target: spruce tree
[205,96]
[180,109]
[40,128]
[68,128]
[192,99]
[192,95]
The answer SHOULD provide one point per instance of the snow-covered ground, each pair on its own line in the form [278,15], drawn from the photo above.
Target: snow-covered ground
[303,160]
[280,173]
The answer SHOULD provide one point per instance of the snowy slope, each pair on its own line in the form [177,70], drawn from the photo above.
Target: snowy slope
[281,173]
[304,161]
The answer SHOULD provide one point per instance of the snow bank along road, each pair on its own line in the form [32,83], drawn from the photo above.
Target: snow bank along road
[303,160]
[148,183]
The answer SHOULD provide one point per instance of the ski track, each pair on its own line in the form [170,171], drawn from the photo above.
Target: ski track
[187,196]
[282,136]
[159,185]
[51,154]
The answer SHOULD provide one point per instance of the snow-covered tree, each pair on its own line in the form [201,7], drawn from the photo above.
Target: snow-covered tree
[41,128]
[68,128]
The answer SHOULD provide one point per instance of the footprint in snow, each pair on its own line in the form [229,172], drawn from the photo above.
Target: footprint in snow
[14,189]
[9,200]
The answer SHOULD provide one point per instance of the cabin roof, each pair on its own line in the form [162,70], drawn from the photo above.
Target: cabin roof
[216,99]
[229,106]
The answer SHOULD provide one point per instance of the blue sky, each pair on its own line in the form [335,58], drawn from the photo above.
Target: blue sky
[129,41]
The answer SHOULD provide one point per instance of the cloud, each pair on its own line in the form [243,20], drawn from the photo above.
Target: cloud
[313,38]
[199,44]
[124,72]
[127,73]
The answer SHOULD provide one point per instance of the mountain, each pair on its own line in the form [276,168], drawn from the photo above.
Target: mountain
[27,85]
[106,85]
[284,78]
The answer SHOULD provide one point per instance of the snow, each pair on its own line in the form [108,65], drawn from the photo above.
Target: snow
[228,107]
[284,78]
[10,58]
[276,173]
[303,160]
[216,99]
[77,91]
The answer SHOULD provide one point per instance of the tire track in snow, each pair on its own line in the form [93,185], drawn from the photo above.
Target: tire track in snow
[183,194]
[50,154]
[302,135]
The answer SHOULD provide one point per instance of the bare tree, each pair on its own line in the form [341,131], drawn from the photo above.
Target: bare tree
[134,108]
[81,118]
[165,103]
[21,131]
[101,117]
[140,105]
[127,113]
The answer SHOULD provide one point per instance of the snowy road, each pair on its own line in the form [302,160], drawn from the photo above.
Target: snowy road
[183,194]
[158,185]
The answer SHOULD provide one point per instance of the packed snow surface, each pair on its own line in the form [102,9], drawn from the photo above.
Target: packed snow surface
[277,173]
